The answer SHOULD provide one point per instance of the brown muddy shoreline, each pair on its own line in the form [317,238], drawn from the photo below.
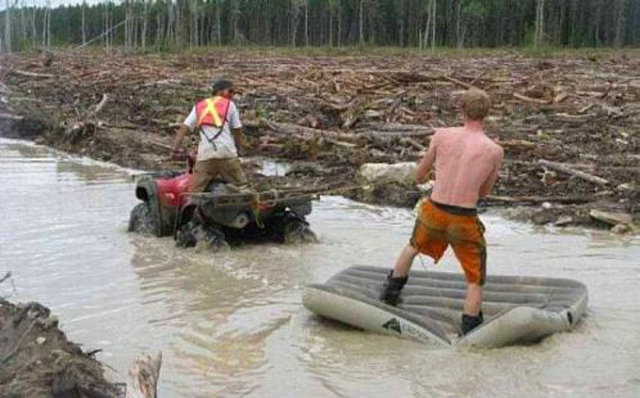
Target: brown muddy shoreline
[39,362]
[569,126]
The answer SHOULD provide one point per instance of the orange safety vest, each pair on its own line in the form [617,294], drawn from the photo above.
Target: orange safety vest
[211,111]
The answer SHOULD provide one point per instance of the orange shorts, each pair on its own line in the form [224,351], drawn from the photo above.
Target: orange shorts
[439,226]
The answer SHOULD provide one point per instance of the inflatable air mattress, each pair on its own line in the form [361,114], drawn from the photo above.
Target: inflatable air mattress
[517,309]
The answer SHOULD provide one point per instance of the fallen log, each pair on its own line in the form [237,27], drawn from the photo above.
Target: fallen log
[9,116]
[568,170]
[384,173]
[412,143]
[32,74]
[459,82]
[613,218]
[99,106]
[517,144]
[529,99]
[144,374]
[540,199]
[400,128]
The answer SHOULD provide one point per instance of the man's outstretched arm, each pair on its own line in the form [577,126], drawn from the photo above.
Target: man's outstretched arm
[188,125]
[424,165]
[486,187]
[182,131]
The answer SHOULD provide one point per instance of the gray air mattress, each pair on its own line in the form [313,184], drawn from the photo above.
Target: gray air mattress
[517,309]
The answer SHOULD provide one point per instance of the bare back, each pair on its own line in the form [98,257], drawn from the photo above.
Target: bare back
[466,165]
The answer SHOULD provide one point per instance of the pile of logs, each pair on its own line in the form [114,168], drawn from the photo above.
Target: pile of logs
[568,125]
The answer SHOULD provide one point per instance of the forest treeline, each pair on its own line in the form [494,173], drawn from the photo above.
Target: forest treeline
[153,25]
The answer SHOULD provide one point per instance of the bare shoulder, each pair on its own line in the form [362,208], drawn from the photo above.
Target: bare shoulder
[442,133]
[498,151]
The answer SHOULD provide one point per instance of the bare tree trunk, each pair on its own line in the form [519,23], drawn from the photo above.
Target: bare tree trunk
[306,23]
[144,27]
[294,24]
[134,26]
[361,22]
[48,27]
[434,14]
[401,32]
[339,25]
[23,24]
[219,22]
[170,23]
[202,30]
[158,30]
[112,33]
[236,18]
[179,27]
[84,26]
[596,19]
[104,27]
[44,28]
[191,24]
[7,27]
[427,28]
[34,32]
[539,32]
[619,22]
[127,26]
[196,27]
[331,27]
[459,37]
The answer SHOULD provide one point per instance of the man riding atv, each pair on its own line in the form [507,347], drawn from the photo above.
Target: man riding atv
[217,157]
[211,203]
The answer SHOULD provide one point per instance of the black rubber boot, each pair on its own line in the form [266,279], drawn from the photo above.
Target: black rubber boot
[471,322]
[392,288]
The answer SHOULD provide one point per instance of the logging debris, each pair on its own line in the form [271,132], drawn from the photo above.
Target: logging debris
[569,131]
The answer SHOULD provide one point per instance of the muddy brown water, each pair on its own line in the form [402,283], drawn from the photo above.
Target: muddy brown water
[232,325]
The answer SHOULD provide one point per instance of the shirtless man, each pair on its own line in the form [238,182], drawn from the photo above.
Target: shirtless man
[466,166]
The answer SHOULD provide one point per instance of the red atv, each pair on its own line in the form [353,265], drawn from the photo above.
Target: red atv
[222,214]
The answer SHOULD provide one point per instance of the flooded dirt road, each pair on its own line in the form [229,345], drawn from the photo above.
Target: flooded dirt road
[232,325]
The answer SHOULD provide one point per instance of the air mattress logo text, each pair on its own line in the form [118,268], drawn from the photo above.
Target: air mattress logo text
[392,324]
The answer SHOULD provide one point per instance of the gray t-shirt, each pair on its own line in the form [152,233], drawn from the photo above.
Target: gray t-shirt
[224,146]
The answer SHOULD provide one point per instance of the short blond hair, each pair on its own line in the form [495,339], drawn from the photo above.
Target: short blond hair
[476,104]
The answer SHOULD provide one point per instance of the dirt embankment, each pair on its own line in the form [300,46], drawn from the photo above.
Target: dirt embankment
[37,360]
[569,126]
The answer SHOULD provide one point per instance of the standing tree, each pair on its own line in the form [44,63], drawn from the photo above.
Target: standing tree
[361,22]
[84,26]
[331,5]
[620,5]
[219,22]
[306,23]
[430,27]
[469,14]
[539,33]
[144,25]
[7,27]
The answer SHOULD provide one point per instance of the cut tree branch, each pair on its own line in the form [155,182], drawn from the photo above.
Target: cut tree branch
[568,170]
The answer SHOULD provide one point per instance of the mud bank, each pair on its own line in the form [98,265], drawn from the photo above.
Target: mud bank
[568,125]
[37,360]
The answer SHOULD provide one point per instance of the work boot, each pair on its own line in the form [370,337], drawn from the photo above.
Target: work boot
[471,322]
[392,288]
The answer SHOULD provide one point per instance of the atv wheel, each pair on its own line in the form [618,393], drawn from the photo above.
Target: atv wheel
[195,234]
[141,220]
[297,231]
